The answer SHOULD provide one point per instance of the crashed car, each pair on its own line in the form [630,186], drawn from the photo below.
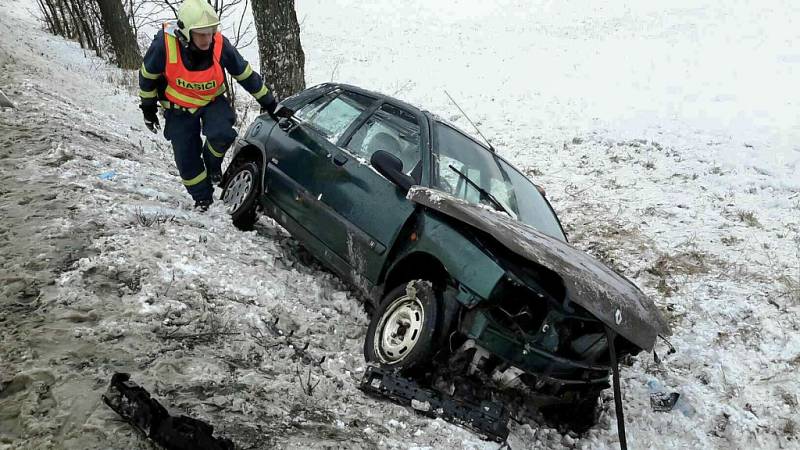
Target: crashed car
[465,263]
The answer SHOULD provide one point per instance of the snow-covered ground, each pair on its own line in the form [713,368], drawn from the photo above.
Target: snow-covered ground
[665,136]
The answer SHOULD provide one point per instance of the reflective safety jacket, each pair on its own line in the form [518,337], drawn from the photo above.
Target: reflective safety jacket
[156,77]
[192,88]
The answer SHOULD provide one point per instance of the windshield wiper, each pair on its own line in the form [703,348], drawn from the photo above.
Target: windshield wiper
[484,193]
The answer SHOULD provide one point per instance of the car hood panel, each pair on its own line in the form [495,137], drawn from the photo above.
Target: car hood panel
[611,298]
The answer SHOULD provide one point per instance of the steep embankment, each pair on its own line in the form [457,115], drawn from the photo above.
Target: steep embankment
[106,268]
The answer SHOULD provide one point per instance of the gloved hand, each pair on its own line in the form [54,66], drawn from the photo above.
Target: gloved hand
[268,105]
[150,117]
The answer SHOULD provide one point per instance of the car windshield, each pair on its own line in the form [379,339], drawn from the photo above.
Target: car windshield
[467,170]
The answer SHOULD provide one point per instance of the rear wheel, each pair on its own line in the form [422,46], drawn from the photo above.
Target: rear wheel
[240,193]
[401,334]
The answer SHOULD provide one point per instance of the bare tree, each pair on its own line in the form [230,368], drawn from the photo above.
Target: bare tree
[85,22]
[279,48]
[118,29]
[76,19]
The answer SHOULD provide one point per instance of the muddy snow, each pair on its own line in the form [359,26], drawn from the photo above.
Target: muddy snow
[666,141]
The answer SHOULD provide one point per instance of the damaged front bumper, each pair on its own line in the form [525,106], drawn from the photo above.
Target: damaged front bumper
[527,354]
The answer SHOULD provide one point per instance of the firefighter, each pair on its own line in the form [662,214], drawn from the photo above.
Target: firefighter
[183,71]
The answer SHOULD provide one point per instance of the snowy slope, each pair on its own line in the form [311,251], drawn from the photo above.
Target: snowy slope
[665,137]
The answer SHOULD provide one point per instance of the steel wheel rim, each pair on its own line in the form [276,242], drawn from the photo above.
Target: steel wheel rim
[238,189]
[399,329]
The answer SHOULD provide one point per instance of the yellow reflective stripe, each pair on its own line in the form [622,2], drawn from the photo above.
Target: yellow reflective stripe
[220,91]
[214,152]
[245,74]
[261,92]
[165,104]
[148,94]
[172,48]
[194,101]
[195,180]
[147,74]
[203,101]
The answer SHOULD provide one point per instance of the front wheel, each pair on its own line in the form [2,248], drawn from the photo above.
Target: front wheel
[401,334]
[579,414]
[239,195]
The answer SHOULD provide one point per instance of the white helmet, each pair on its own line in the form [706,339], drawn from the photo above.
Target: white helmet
[196,14]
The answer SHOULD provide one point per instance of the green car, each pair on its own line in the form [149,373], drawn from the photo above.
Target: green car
[465,264]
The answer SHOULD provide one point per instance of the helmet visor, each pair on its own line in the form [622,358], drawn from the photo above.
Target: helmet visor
[205,30]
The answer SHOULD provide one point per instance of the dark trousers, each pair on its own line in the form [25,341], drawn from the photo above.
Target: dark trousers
[199,161]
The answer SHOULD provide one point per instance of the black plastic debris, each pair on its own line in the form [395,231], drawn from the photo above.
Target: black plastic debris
[135,405]
[5,102]
[489,419]
[663,401]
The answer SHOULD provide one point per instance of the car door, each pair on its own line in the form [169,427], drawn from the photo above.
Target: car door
[302,153]
[373,209]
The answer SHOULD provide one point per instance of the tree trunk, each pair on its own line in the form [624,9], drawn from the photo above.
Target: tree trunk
[117,26]
[48,19]
[77,28]
[282,58]
[65,20]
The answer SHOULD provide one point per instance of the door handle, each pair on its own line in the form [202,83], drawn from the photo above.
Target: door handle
[339,159]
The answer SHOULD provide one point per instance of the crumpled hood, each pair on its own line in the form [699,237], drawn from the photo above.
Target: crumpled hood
[607,295]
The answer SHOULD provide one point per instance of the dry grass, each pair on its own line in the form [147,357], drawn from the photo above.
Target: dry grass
[686,264]
[691,262]
[730,240]
[790,288]
[609,240]
[749,218]
[148,220]
[790,283]
[128,80]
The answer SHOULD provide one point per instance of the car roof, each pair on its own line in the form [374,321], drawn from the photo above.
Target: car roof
[378,95]
[432,117]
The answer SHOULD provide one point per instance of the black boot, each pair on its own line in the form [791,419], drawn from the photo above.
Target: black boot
[216,179]
[202,205]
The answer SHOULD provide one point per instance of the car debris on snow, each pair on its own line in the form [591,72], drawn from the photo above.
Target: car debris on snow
[663,401]
[134,404]
[5,102]
[489,419]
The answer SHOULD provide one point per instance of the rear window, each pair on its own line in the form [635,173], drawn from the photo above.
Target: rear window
[392,130]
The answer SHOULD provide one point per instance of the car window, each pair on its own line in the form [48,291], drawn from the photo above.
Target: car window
[463,166]
[331,114]
[390,129]
[457,153]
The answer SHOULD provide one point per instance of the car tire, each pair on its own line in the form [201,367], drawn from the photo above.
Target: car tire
[579,415]
[402,332]
[240,193]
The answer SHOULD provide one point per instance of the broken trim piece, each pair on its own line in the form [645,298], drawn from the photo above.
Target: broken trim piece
[134,404]
[623,442]
[5,102]
[489,419]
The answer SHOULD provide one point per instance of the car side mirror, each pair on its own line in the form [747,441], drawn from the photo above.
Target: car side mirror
[285,124]
[391,167]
